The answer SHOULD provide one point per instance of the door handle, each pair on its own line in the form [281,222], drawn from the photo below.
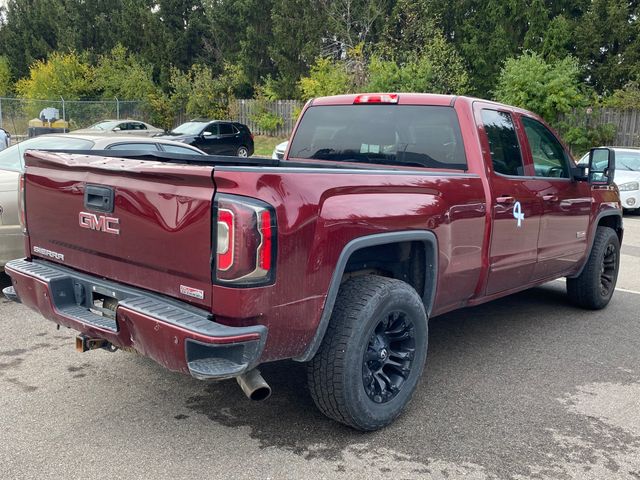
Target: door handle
[505,199]
[550,198]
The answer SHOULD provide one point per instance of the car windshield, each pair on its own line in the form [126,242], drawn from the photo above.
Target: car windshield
[628,161]
[104,126]
[407,135]
[625,160]
[12,157]
[189,128]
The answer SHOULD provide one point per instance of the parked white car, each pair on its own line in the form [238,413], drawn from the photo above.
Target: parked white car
[627,176]
[278,152]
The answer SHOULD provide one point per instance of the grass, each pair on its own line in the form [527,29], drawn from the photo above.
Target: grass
[264,145]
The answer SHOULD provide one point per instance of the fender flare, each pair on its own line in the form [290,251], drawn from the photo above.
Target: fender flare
[600,216]
[431,274]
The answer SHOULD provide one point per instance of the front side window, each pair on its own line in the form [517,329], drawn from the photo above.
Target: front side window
[503,143]
[549,158]
[407,135]
[212,129]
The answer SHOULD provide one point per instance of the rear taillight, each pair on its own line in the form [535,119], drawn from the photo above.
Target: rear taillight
[21,203]
[245,241]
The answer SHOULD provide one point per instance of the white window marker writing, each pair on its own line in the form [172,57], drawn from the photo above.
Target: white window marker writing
[517,213]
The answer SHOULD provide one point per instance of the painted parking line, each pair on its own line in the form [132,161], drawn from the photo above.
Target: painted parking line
[627,291]
[624,290]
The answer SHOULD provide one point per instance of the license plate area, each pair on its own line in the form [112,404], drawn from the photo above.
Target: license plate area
[97,299]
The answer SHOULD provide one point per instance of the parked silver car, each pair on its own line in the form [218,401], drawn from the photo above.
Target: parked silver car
[121,127]
[12,164]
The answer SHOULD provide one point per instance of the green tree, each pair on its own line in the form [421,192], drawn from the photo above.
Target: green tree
[200,93]
[607,42]
[240,33]
[326,78]
[29,32]
[5,77]
[66,75]
[626,98]
[298,27]
[122,75]
[388,76]
[547,88]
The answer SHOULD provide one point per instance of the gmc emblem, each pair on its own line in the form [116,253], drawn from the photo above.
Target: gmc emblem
[100,223]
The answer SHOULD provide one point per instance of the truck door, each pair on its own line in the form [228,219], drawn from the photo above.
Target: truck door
[516,207]
[566,203]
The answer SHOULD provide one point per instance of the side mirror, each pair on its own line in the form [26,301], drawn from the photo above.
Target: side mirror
[207,134]
[602,166]
[116,129]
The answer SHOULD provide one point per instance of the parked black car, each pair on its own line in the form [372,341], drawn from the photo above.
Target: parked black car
[216,137]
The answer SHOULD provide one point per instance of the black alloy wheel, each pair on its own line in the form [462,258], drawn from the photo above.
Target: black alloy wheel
[388,360]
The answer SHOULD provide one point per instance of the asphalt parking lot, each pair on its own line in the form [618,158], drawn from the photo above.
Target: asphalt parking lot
[524,387]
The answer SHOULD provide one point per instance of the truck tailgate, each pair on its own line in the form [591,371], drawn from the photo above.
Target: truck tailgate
[153,233]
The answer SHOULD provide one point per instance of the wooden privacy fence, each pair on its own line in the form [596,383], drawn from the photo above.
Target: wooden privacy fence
[627,123]
[244,111]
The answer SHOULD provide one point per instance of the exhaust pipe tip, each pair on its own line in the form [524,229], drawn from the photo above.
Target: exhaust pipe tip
[254,386]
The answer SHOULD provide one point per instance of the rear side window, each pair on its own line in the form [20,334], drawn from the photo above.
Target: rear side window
[226,129]
[503,143]
[407,135]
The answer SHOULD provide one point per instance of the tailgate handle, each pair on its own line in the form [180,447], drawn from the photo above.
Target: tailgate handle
[98,198]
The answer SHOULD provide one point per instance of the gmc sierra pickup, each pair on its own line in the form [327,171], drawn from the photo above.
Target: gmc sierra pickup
[386,210]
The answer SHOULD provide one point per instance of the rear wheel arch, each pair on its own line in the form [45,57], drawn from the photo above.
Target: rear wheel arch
[353,261]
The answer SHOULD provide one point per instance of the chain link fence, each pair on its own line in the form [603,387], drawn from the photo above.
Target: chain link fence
[17,115]
[23,118]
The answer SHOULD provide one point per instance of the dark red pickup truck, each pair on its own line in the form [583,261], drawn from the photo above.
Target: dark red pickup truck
[386,210]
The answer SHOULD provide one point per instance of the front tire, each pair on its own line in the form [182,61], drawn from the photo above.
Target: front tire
[594,287]
[372,354]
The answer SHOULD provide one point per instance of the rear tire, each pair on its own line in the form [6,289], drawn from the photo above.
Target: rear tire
[594,287]
[242,152]
[372,354]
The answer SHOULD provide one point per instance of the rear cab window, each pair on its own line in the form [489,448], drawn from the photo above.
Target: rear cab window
[396,135]
[506,155]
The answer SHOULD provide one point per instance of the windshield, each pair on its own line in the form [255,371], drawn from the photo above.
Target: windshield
[625,160]
[628,161]
[408,135]
[107,125]
[12,157]
[189,128]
